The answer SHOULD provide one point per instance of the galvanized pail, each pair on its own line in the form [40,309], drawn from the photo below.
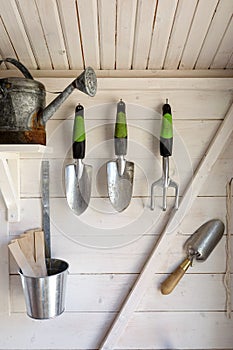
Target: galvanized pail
[45,296]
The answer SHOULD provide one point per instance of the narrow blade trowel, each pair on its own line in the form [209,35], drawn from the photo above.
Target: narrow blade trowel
[78,176]
[120,172]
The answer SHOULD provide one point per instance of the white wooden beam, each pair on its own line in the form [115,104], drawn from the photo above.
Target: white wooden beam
[125,73]
[9,184]
[4,266]
[168,236]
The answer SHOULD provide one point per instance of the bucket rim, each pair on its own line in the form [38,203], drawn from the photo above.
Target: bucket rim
[48,276]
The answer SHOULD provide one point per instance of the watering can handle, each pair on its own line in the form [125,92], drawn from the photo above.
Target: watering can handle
[19,65]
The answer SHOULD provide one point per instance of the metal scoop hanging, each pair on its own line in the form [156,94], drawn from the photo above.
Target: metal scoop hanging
[120,172]
[78,176]
[166,143]
[198,246]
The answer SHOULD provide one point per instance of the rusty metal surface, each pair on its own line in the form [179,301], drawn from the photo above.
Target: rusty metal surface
[22,105]
[23,137]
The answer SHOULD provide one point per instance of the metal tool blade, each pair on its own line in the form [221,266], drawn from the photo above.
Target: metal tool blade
[120,187]
[78,178]
[45,206]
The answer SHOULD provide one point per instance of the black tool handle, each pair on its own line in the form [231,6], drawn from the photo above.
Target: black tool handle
[120,138]
[79,136]
[166,134]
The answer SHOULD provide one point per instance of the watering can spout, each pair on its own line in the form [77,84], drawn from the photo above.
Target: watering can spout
[85,82]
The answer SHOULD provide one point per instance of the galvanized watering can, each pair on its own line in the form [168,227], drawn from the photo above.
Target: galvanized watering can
[23,114]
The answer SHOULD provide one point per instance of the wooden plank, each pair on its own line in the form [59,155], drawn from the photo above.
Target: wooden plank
[176,217]
[32,22]
[147,84]
[107,29]
[50,21]
[9,185]
[4,266]
[6,49]
[126,16]
[122,73]
[89,32]
[215,33]
[199,330]
[147,170]
[70,28]
[200,212]
[79,332]
[143,31]
[17,33]
[183,19]
[198,30]
[105,293]
[225,49]
[161,33]
[113,252]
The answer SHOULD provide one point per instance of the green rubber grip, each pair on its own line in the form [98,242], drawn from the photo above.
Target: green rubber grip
[121,126]
[79,134]
[166,133]
[166,129]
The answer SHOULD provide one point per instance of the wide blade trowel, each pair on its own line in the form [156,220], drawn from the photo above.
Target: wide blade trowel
[78,176]
[120,172]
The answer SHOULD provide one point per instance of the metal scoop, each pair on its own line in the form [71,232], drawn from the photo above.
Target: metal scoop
[120,172]
[78,176]
[198,246]
[166,143]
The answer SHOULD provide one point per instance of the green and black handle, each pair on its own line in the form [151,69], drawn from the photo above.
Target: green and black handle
[79,135]
[166,133]
[120,136]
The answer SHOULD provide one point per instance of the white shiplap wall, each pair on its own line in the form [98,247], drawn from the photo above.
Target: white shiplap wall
[106,250]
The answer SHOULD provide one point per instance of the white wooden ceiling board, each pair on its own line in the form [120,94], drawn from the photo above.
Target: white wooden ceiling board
[6,47]
[18,36]
[50,20]
[214,36]
[126,14]
[88,19]
[181,26]
[31,20]
[161,33]
[107,28]
[143,31]
[69,21]
[202,19]
[225,49]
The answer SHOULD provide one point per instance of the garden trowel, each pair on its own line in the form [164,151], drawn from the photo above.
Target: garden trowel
[120,172]
[78,176]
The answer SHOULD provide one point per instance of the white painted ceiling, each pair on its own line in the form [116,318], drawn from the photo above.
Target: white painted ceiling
[118,34]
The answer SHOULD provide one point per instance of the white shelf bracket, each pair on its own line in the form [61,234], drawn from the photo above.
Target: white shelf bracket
[10,184]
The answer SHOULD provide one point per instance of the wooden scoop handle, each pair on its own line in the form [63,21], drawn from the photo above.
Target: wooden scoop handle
[172,280]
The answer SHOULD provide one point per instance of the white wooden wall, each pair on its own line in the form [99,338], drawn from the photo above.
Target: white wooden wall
[105,249]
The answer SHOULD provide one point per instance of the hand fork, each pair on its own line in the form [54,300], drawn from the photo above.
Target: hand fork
[166,142]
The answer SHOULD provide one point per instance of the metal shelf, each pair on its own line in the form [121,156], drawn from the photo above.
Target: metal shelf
[10,175]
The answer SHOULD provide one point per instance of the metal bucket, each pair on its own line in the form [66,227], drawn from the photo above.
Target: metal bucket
[45,296]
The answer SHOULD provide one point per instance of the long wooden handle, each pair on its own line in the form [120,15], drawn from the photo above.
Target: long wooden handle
[170,283]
